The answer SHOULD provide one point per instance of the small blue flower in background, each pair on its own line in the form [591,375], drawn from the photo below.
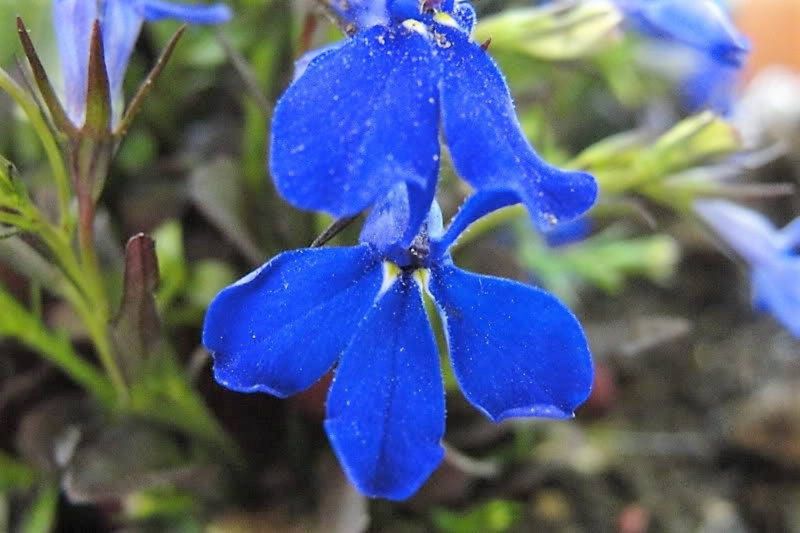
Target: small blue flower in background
[366,116]
[121,22]
[773,256]
[516,350]
[701,25]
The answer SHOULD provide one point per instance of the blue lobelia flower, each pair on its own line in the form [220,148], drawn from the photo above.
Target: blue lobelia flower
[121,22]
[366,116]
[703,26]
[773,256]
[515,350]
[699,24]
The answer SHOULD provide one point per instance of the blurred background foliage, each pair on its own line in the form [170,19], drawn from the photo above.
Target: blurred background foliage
[694,423]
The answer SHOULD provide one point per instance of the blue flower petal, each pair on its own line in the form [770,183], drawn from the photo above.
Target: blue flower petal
[397,219]
[789,236]
[386,404]
[516,350]
[475,207]
[72,21]
[748,232]
[190,13]
[122,23]
[308,58]
[486,142]
[777,291]
[569,232]
[358,121]
[281,328]
[700,24]
[401,10]
[710,85]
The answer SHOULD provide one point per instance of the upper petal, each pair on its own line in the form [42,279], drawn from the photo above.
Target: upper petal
[283,326]
[516,350]
[122,23]
[486,142]
[386,404]
[302,63]
[191,14]
[358,121]
[72,21]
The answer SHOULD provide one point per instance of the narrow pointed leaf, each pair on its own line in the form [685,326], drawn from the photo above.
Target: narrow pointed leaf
[98,94]
[57,113]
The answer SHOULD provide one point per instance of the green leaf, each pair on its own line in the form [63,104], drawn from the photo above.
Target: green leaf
[57,113]
[98,95]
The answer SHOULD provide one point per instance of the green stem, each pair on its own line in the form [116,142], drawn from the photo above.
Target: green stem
[88,166]
[89,303]
[47,139]
[86,214]
[98,331]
